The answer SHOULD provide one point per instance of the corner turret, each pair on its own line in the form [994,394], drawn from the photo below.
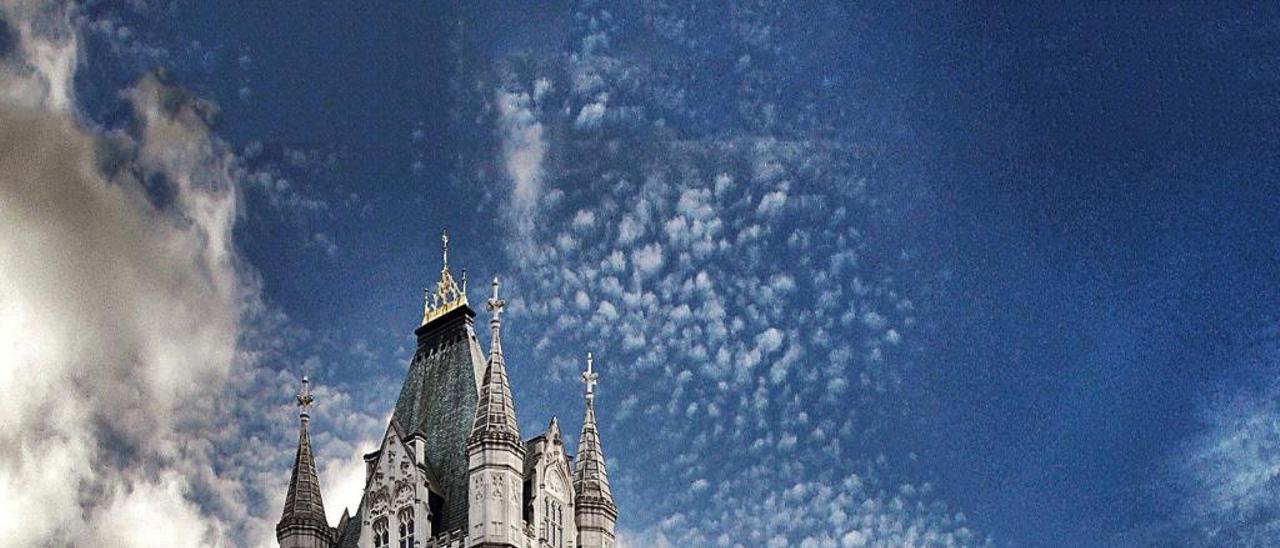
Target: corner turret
[496,453]
[303,523]
[594,512]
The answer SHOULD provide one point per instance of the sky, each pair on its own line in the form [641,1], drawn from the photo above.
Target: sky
[920,274]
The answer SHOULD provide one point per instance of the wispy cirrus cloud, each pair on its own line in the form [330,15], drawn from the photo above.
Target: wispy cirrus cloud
[1230,469]
[523,150]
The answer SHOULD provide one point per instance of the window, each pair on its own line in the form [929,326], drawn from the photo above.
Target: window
[406,527]
[381,537]
[553,522]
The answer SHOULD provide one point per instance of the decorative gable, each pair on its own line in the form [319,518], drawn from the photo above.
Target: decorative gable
[396,503]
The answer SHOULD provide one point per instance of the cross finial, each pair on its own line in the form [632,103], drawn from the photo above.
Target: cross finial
[495,303]
[304,398]
[444,244]
[590,378]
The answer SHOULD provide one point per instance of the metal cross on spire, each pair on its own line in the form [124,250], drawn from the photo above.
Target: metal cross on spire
[495,307]
[590,378]
[304,398]
[496,304]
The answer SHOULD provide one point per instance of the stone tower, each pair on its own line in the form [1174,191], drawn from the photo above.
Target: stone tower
[595,513]
[303,523]
[496,453]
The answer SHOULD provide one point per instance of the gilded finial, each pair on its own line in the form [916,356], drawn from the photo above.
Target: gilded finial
[447,295]
[590,378]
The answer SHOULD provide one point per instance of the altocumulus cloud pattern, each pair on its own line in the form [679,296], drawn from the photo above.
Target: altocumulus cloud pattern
[912,275]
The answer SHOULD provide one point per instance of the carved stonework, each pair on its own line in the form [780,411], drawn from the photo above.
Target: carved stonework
[555,483]
[478,488]
[497,488]
[404,491]
[380,504]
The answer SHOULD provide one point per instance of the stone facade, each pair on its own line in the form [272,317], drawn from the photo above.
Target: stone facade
[452,470]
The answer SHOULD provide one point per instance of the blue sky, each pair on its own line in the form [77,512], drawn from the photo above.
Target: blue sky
[923,274]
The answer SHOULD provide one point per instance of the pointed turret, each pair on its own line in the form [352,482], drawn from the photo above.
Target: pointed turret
[303,522]
[495,412]
[495,452]
[595,512]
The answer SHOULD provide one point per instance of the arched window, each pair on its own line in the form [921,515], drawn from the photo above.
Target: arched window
[381,536]
[559,525]
[553,522]
[406,527]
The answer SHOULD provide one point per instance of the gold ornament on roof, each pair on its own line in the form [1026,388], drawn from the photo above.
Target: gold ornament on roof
[447,295]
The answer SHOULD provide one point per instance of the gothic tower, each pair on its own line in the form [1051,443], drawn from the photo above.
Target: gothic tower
[452,470]
[303,523]
[438,399]
[594,513]
[496,453]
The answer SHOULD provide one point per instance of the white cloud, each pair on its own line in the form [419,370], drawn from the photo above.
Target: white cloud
[1231,468]
[342,480]
[853,539]
[541,87]
[584,219]
[41,73]
[629,230]
[523,149]
[121,318]
[772,203]
[607,311]
[648,259]
[590,116]
[769,340]
[156,513]
[892,337]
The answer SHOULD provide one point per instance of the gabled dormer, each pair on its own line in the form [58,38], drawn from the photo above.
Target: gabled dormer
[549,497]
[399,493]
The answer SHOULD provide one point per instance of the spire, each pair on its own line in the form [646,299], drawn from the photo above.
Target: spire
[590,480]
[495,410]
[303,507]
[447,295]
